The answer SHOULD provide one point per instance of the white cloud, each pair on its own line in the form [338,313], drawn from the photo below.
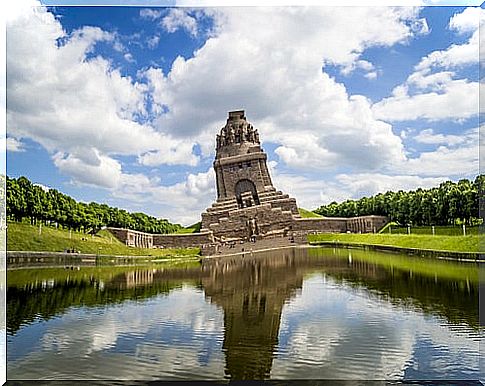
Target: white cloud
[468,20]
[98,170]
[276,75]
[354,186]
[456,55]
[179,18]
[459,161]
[440,95]
[74,106]
[313,191]
[359,64]
[150,14]
[181,202]
[428,136]
[457,99]
[129,58]
[153,41]
[371,75]
[43,187]
[14,145]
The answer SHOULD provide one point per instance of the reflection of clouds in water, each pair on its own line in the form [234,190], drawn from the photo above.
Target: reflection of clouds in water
[332,331]
[104,336]
[329,330]
[56,341]
[131,340]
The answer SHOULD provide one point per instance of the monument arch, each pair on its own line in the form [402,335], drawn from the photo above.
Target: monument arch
[246,193]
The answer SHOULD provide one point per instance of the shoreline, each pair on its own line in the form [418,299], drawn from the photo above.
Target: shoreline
[90,257]
[438,254]
[87,259]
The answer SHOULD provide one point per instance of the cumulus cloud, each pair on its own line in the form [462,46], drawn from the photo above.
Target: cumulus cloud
[428,136]
[459,162]
[276,75]
[457,99]
[439,95]
[83,111]
[468,20]
[14,145]
[455,55]
[153,42]
[180,18]
[150,13]
[181,202]
[312,192]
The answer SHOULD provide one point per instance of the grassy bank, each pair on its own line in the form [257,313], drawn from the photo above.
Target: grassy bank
[441,269]
[25,237]
[450,230]
[438,243]
[307,214]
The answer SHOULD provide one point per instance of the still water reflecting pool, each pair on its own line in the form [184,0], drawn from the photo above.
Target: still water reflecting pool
[301,313]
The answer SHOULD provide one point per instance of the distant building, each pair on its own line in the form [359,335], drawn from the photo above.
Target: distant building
[248,207]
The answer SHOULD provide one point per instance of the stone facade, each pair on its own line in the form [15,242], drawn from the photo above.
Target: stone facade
[248,207]
[133,238]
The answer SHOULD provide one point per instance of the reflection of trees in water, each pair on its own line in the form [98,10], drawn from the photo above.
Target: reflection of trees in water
[24,305]
[456,300]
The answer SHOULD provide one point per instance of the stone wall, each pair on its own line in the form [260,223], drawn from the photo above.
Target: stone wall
[361,224]
[267,220]
[320,225]
[184,240]
[366,224]
[141,239]
[133,238]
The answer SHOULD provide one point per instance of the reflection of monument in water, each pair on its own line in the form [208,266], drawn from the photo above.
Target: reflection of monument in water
[252,293]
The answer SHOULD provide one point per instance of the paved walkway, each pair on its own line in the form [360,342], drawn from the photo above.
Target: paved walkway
[258,245]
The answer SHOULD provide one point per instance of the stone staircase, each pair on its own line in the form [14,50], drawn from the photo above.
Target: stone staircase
[252,247]
[233,224]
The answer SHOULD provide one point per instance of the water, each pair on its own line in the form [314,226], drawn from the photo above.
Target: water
[292,314]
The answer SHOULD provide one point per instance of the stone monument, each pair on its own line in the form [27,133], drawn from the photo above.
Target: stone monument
[248,206]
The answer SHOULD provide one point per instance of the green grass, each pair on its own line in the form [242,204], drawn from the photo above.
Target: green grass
[456,230]
[307,214]
[22,277]
[190,229]
[443,269]
[438,243]
[25,237]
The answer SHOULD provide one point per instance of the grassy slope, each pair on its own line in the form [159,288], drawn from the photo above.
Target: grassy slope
[439,243]
[191,228]
[427,230]
[307,214]
[25,237]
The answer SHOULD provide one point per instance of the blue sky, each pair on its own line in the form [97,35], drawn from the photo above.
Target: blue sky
[122,104]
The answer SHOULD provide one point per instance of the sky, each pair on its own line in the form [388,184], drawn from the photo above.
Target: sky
[121,105]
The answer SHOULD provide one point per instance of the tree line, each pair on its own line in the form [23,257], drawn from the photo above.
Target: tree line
[49,206]
[448,204]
